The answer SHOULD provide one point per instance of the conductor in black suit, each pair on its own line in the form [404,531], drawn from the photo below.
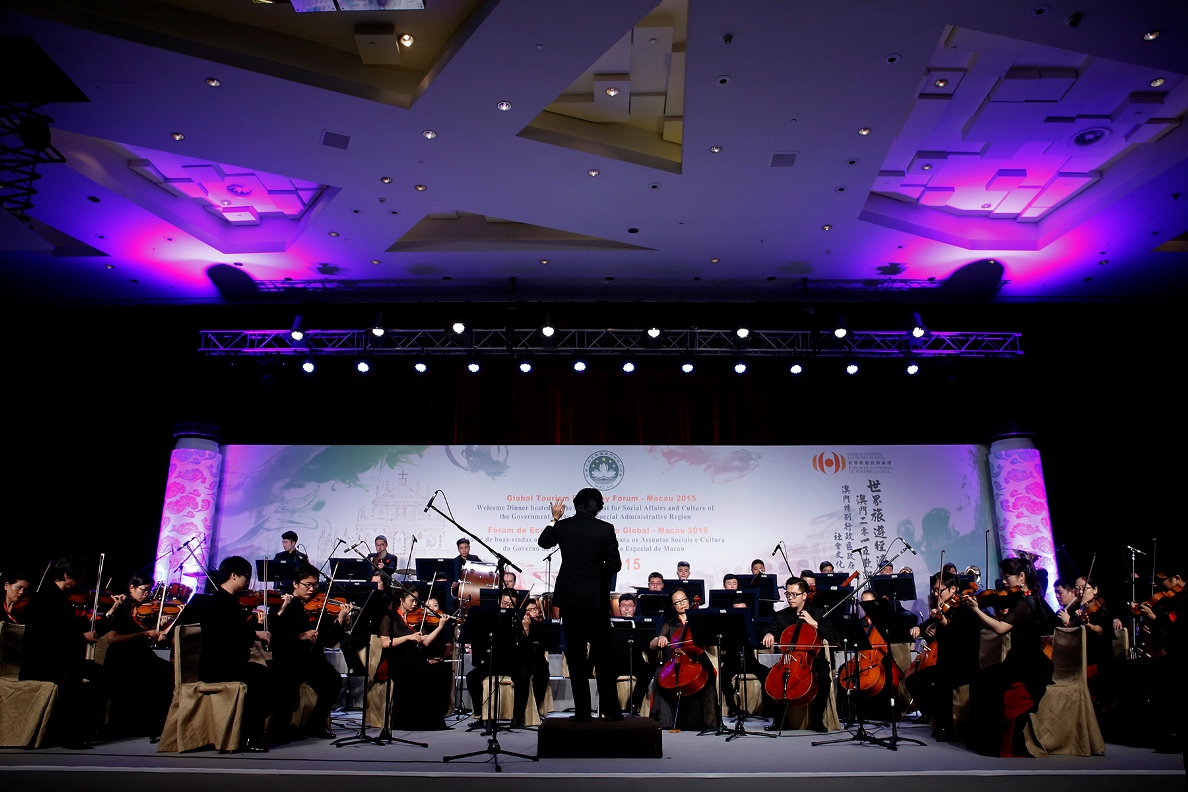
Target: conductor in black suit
[589,558]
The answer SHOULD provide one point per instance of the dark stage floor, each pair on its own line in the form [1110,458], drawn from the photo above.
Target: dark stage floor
[696,762]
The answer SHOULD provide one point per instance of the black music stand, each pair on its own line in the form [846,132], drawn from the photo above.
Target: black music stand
[277,572]
[480,627]
[888,620]
[430,568]
[732,629]
[348,570]
[693,587]
[855,640]
[769,595]
[726,598]
[828,596]
[546,637]
[653,603]
[628,638]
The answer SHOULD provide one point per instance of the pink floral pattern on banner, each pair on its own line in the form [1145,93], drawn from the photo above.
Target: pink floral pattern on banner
[188,514]
[1021,509]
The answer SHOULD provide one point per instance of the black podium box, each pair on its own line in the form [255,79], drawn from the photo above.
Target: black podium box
[630,738]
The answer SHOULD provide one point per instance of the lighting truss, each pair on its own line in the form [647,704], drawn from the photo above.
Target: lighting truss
[19,160]
[700,342]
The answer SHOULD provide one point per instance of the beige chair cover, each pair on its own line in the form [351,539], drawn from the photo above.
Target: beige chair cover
[994,648]
[375,692]
[201,713]
[507,692]
[1065,722]
[25,705]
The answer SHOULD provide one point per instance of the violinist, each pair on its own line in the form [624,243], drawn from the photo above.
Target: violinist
[1091,612]
[228,636]
[141,682]
[952,635]
[697,710]
[796,593]
[1002,696]
[55,650]
[300,635]
[505,660]
[1164,617]
[16,597]
[1066,595]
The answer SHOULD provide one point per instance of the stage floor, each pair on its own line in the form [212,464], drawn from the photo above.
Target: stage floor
[697,762]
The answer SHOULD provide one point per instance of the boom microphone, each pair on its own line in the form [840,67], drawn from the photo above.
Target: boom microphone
[1135,550]
[430,503]
[909,547]
[777,548]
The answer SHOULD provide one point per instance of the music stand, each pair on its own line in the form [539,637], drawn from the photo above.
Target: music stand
[278,572]
[898,588]
[429,568]
[768,586]
[693,587]
[734,629]
[725,598]
[854,640]
[546,637]
[828,596]
[653,603]
[887,620]
[482,624]
[349,570]
[628,638]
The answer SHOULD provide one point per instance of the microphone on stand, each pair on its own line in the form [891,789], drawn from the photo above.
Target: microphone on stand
[858,550]
[909,547]
[1135,550]
[777,548]
[433,498]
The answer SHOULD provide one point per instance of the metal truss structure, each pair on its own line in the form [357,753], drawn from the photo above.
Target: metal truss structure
[24,144]
[693,342]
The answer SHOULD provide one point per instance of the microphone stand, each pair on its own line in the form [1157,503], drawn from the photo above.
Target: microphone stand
[784,554]
[549,580]
[493,748]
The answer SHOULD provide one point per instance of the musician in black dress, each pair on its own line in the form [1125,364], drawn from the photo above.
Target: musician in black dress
[141,681]
[1002,696]
[796,592]
[954,634]
[299,640]
[228,635]
[417,703]
[675,643]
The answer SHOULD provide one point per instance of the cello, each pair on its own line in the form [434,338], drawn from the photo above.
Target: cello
[791,679]
[864,671]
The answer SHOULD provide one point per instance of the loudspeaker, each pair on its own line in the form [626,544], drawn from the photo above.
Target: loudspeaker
[630,738]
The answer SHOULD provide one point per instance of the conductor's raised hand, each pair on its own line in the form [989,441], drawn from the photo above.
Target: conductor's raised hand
[558,510]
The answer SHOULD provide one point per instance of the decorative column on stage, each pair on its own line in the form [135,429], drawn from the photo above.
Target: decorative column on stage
[195,465]
[1021,504]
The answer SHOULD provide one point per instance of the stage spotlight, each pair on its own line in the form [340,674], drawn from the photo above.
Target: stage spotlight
[473,367]
[740,367]
[628,367]
[548,330]
[742,333]
[653,332]
[420,367]
[840,331]
[852,368]
[918,328]
[796,368]
[308,366]
[687,367]
[651,337]
[363,367]
[377,326]
[458,327]
[525,366]
[912,367]
[298,331]
[579,365]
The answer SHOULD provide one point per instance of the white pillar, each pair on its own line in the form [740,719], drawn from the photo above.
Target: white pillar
[1021,504]
[191,490]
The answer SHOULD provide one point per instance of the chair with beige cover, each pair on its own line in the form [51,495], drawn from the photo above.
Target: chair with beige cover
[201,713]
[26,706]
[1065,722]
[507,693]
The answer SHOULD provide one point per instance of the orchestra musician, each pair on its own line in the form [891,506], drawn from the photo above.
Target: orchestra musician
[682,570]
[464,555]
[1002,696]
[796,592]
[954,634]
[1066,595]
[141,682]
[1166,625]
[506,660]
[417,684]
[642,665]
[697,710]
[826,568]
[381,560]
[533,657]
[589,559]
[758,567]
[16,596]
[55,650]
[655,582]
[290,554]
[299,637]
[730,582]
[228,635]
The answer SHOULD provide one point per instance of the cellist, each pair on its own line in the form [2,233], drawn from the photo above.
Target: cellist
[953,636]
[674,642]
[796,593]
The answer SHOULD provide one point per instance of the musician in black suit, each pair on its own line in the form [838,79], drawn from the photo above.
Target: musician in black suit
[589,558]
[796,592]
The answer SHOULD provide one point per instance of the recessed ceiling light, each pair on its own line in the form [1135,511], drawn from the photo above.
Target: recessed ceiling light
[593,172]
[421,188]
[986,206]
[1151,35]
[109,266]
[407,40]
[386,179]
[941,83]
[612,91]
[213,82]
[544,261]
[375,261]
[925,167]
[1103,262]
[827,227]
[504,105]
[715,260]
[429,134]
[864,131]
[715,149]
[1157,82]
[333,233]
[178,136]
[225,202]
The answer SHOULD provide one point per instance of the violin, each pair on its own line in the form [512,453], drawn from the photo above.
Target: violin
[430,618]
[16,610]
[1085,611]
[150,610]
[84,602]
[1160,599]
[1000,598]
[258,599]
[333,605]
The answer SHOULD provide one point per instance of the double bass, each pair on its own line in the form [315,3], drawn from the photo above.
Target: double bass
[791,679]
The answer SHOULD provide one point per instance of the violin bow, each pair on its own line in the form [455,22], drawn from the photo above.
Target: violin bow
[164,591]
[51,563]
[326,601]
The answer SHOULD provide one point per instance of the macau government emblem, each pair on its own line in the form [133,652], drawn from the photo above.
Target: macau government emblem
[604,470]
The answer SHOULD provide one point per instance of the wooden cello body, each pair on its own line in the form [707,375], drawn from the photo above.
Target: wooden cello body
[791,679]
[684,674]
